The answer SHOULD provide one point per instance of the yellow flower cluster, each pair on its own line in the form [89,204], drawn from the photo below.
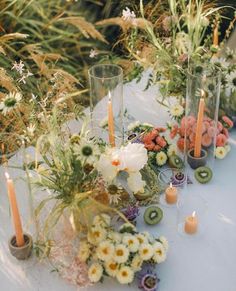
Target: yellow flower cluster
[119,254]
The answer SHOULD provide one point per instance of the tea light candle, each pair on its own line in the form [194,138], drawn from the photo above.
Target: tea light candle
[171,194]
[191,224]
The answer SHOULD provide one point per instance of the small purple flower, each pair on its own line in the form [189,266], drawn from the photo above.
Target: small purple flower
[179,178]
[148,280]
[132,212]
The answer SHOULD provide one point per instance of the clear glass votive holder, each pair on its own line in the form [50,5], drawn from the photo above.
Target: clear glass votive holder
[192,215]
[106,101]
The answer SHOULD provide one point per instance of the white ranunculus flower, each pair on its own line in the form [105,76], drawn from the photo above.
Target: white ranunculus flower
[159,255]
[136,183]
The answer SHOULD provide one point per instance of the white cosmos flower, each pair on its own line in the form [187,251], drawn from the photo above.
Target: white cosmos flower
[102,220]
[121,254]
[136,183]
[136,263]
[84,251]
[132,242]
[146,251]
[125,275]
[142,238]
[105,251]
[95,272]
[159,253]
[176,110]
[96,235]
[231,81]
[87,151]
[132,126]
[9,102]
[111,268]
[164,242]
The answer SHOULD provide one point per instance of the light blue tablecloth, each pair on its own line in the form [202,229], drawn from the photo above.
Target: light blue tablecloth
[205,262]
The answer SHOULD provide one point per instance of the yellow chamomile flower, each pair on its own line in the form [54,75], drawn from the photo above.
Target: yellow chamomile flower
[105,251]
[161,158]
[96,235]
[102,220]
[164,242]
[220,152]
[159,252]
[125,275]
[146,252]
[177,110]
[132,242]
[121,254]
[95,272]
[111,268]
[136,263]
[142,238]
[172,150]
[84,251]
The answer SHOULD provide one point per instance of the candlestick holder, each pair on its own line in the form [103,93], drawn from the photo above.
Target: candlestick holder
[24,252]
[200,126]
[192,205]
[106,102]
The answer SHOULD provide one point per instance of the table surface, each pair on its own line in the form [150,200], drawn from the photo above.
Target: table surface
[204,262]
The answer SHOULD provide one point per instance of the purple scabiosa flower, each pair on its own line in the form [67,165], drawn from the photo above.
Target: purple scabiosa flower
[148,280]
[132,212]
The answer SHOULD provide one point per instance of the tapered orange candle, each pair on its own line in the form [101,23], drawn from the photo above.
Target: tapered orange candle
[216,36]
[198,140]
[15,212]
[191,224]
[111,122]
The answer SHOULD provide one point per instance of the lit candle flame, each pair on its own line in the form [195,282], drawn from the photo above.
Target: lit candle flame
[171,185]
[194,214]
[7,176]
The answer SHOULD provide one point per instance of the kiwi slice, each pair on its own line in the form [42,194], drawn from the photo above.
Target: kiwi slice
[176,162]
[203,174]
[153,215]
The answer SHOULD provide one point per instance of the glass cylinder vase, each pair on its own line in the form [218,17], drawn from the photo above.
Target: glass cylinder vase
[106,102]
[200,127]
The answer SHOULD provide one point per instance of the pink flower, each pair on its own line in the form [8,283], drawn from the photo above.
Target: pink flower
[221,140]
[174,131]
[206,140]
[157,148]
[228,122]
[161,141]
[211,131]
[149,146]
[180,144]
[219,126]
[225,132]
[153,133]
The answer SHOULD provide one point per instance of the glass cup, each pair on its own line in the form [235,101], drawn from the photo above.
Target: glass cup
[192,215]
[106,102]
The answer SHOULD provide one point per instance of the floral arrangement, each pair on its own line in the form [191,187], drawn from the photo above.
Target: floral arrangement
[156,140]
[119,254]
[186,126]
